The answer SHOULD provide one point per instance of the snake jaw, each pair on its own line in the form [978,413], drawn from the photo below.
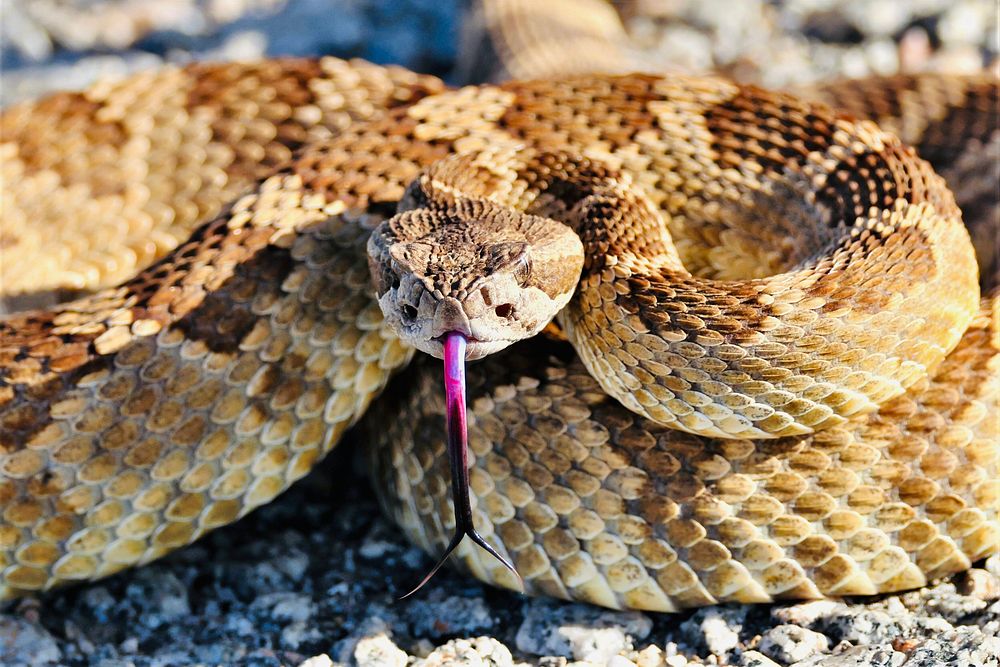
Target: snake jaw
[455,345]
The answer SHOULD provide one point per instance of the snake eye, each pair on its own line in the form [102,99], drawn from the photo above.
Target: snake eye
[409,313]
[505,311]
[522,270]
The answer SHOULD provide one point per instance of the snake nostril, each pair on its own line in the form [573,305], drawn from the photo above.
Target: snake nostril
[409,312]
[505,310]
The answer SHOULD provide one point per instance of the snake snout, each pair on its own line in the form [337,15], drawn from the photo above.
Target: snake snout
[449,316]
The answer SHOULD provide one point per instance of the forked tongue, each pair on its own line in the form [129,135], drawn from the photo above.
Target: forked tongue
[458,455]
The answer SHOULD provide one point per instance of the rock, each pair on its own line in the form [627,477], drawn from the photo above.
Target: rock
[807,613]
[790,643]
[619,661]
[755,659]
[160,596]
[964,647]
[651,656]
[980,584]
[379,651]
[944,601]
[860,626]
[715,628]
[578,631]
[480,652]
[443,616]
[285,606]
[877,17]
[23,642]
[298,633]
[857,656]
[966,22]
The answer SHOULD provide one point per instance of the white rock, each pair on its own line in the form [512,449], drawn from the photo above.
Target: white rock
[379,651]
[321,660]
[479,652]
[25,643]
[791,643]
[966,22]
[755,659]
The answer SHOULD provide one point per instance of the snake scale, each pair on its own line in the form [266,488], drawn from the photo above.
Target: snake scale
[807,409]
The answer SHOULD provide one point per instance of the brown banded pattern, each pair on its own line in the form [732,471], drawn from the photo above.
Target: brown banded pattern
[220,213]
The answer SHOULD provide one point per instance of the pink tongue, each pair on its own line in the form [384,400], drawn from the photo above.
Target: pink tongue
[454,395]
[458,455]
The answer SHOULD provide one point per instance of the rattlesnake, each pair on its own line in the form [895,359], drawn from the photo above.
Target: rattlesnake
[137,418]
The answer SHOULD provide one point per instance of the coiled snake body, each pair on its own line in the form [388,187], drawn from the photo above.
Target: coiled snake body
[822,377]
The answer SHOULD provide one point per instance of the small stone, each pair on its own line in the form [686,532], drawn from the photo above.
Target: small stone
[321,660]
[379,651]
[882,57]
[449,615]
[25,643]
[162,597]
[860,626]
[285,606]
[807,613]
[993,565]
[946,603]
[578,631]
[298,633]
[620,661]
[479,652]
[965,22]
[791,643]
[294,564]
[965,647]
[980,584]
[755,659]
[914,50]
[857,656]
[877,17]
[715,628]
[651,656]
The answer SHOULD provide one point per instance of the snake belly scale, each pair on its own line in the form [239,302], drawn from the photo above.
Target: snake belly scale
[173,401]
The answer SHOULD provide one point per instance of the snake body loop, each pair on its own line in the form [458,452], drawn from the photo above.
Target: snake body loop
[173,400]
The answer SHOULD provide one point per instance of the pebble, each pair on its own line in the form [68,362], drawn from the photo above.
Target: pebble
[807,613]
[441,616]
[964,647]
[322,660]
[379,651]
[791,643]
[715,629]
[479,652]
[755,659]
[23,642]
[651,656]
[966,22]
[285,606]
[857,656]
[578,631]
[860,626]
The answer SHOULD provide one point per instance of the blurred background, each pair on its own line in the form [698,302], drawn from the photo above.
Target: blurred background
[60,44]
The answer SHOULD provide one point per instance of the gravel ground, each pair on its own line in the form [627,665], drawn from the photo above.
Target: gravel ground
[312,578]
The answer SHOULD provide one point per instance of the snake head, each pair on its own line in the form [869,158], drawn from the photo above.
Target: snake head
[474,267]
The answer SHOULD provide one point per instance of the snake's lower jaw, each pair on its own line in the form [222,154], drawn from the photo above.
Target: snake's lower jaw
[475,348]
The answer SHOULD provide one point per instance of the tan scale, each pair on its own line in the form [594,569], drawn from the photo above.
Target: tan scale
[174,400]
